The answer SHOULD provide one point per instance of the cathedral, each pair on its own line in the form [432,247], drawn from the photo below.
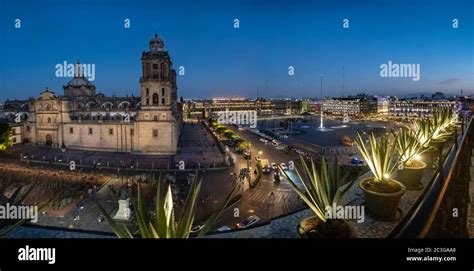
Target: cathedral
[83,119]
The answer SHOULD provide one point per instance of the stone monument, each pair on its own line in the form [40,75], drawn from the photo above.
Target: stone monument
[124,212]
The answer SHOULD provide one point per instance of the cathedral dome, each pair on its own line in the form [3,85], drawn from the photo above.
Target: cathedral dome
[156,44]
[79,85]
[79,81]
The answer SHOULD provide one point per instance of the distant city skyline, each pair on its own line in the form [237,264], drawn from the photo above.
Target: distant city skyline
[222,61]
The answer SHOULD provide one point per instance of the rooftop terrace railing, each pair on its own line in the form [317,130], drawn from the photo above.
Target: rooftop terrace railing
[442,211]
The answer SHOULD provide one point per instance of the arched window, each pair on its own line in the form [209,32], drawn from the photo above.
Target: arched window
[162,101]
[147,92]
[155,99]
[163,92]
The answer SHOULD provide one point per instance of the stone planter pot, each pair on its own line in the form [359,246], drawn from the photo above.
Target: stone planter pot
[410,177]
[313,227]
[450,139]
[429,156]
[438,143]
[382,205]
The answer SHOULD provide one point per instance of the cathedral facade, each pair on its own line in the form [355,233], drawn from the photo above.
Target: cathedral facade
[83,119]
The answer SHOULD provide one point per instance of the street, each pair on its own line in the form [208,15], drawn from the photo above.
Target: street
[269,199]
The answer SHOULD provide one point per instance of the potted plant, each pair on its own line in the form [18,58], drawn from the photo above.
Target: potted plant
[381,191]
[410,167]
[422,130]
[321,191]
[440,132]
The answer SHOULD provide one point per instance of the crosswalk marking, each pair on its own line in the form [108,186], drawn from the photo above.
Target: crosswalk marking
[262,196]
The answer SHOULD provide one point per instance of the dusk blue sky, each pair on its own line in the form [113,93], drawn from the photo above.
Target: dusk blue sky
[221,61]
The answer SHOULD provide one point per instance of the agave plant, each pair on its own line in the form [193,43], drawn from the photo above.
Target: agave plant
[165,224]
[380,155]
[408,146]
[442,120]
[321,188]
[422,131]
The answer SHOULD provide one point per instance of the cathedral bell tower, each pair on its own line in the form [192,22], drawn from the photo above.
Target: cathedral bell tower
[159,119]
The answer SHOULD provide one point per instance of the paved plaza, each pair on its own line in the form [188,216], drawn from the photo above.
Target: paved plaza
[197,149]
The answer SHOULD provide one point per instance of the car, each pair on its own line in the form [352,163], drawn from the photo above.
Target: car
[249,221]
[283,166]
[356,161]
[25,156]
[274,166]
[197,228]
[265,165]
[280,147]
[224,228]
[263,140]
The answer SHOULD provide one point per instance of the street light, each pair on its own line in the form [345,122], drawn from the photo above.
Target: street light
[250,156]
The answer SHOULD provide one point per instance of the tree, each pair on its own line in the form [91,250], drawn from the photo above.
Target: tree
[5,136]
[243,144]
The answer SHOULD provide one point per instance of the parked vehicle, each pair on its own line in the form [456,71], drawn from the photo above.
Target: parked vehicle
[249,221]
[223,228]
